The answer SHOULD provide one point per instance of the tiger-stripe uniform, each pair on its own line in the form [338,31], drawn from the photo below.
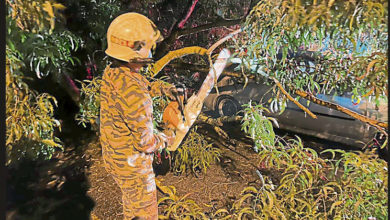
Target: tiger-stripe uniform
[128,139]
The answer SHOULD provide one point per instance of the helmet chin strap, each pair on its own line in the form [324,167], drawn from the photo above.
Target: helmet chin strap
[141,60]
[146,60]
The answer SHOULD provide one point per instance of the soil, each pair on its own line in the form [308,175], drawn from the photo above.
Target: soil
[218,187]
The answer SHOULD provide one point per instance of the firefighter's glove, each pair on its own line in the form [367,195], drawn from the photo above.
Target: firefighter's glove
[172,116]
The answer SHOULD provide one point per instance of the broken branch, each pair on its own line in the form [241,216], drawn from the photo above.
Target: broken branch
[379,125]
[221,41]
[214,123]
[293,100]
[156,68]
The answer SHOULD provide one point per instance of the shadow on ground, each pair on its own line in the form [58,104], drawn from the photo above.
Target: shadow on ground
[54,189]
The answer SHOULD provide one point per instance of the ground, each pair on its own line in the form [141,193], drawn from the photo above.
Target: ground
[75,185]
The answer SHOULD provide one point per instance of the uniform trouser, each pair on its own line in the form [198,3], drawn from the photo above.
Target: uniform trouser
[139,196]
[139,202]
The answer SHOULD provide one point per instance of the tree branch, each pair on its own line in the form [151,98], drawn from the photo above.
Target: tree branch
[190,10]
[237,75]
[205,69]
[205,27]
[68,84]
[215,124]
[218,121]
[188,66]
[293,100]
[223,40]
[177,33]
[157,66]
[379,125]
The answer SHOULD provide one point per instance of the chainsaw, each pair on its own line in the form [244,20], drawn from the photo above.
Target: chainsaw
[194,104]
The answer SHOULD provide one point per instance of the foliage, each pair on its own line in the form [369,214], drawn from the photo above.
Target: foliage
[195,154]
[34,15]
[309,187]
[95,17]
[34,42]
[258,126]
[350,40]
[176,207]
[364,184]
[89,102]
[89,20]
[43,49]
[45,53]
[29,115]
[349,37]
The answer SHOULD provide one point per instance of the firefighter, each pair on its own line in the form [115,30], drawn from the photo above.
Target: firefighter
[128,138]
